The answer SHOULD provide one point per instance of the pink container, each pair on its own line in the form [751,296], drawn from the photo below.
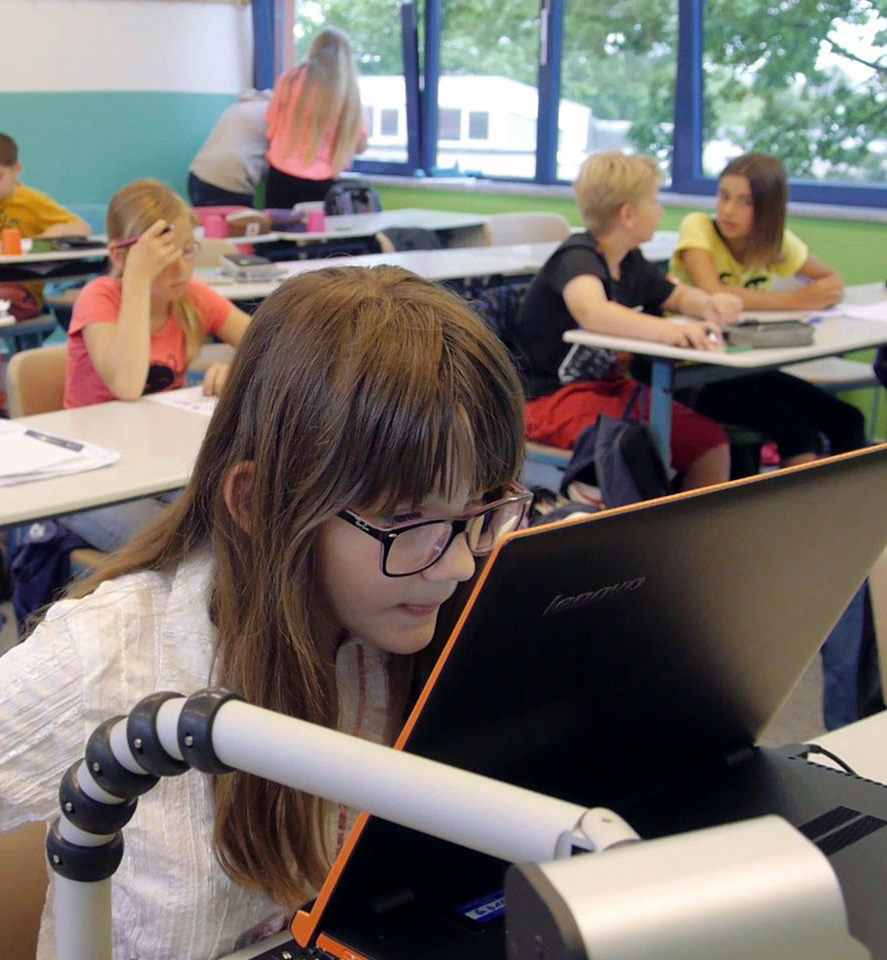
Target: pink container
[215,225]
[316,221]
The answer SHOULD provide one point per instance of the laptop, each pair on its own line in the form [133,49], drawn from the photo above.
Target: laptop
[631,660]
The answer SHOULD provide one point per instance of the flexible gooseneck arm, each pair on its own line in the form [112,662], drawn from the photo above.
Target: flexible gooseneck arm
[215,732]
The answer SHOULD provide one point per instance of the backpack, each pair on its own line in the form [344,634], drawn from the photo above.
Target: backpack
[23,304]
[351,196]
[621,458]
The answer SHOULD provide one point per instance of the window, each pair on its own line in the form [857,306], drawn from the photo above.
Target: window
[378,54]
[489,62]
[388,123]
[449,124]
[478,125]
[801,79]
[617,81]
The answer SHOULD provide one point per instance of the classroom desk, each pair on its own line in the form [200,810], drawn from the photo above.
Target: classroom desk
[53,265]
[676,367]
[437,265]
[457,263]
[458,229]
[157,445]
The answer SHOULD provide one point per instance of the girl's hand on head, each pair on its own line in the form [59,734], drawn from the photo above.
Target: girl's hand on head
[694,335]
[152,253]
[723,309]
[214,379]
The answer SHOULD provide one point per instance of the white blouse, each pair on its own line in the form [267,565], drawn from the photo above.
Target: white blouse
[95,658]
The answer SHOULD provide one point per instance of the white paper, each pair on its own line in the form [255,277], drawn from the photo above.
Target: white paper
[867,311]
[187,398]
[25,458]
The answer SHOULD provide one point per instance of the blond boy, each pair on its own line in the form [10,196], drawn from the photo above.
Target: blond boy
[599,280]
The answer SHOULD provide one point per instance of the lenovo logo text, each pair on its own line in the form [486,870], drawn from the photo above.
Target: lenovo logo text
[563,604]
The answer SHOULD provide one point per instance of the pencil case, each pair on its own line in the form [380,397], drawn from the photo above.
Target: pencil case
[780,333]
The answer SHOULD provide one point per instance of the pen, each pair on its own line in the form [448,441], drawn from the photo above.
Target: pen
[129,241]
[58,441]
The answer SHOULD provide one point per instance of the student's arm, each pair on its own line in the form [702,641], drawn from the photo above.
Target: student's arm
[719,308]
[70,228]
[231,331]
[824,291]
[587,302]
[120,352]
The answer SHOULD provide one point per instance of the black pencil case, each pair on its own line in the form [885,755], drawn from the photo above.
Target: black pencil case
[776,333]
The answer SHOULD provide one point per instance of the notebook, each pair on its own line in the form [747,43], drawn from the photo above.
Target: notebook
[631,660]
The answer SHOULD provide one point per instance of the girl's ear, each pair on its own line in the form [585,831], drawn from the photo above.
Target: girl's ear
[117,258]
[237,489]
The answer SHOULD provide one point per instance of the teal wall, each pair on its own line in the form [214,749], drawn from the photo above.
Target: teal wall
[82,147]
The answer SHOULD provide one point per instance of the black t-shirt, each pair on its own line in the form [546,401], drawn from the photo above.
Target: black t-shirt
[546,362]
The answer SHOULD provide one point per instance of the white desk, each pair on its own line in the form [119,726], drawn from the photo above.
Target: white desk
[675,367]
[464,227]
[157,446]
[438,265]
[51,265]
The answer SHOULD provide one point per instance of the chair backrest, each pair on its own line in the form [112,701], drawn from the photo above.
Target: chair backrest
[35,380]
[22,889]
[502,228]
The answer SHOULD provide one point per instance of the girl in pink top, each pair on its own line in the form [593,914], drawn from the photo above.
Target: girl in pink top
[137,330]
[315,123]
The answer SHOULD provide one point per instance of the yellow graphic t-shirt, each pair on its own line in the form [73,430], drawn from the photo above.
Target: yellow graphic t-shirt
[698,232]
[32,211]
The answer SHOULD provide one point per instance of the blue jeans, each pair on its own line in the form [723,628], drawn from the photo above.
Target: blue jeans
[110,528]
[841,656]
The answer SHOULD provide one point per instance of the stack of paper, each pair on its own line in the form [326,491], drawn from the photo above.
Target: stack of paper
[27,455]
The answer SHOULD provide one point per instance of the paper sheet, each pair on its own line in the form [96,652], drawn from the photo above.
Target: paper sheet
[867,311]
[27,455]
[188,398]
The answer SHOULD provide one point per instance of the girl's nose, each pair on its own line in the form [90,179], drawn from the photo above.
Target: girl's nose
[455,563]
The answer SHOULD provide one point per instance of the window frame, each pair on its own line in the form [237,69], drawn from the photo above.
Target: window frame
[687,178]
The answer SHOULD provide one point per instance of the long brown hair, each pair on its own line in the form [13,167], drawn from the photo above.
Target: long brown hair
[769,192]
[131,211]
[351,387]
[321,97]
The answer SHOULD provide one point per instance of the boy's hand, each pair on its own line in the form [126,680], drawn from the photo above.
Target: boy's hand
[693,335]
[152,253]
[214,378]
[722,309]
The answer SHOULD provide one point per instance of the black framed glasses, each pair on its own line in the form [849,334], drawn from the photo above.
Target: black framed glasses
[416,545]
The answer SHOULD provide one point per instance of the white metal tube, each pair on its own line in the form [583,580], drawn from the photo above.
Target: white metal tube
[485,815]
[83,920]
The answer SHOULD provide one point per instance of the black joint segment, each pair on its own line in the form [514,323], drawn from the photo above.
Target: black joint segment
[141,734]
[91,815]
[85,864]
[107,771]
[196,728]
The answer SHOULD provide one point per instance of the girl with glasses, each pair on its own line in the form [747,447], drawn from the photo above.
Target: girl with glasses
[364,450]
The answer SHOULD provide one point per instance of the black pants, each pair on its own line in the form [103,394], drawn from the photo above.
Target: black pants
[283,191]
[788,410]
[204,194]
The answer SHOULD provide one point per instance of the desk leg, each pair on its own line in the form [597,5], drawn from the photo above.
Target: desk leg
[661,390]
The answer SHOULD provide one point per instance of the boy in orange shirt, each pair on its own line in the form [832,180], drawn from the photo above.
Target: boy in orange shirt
[32,212]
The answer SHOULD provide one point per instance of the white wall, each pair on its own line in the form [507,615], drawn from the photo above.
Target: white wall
[124,45]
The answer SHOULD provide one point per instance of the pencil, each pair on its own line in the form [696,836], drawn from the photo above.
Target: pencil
[129,241]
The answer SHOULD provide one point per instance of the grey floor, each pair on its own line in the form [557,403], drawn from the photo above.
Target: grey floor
[799,720]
